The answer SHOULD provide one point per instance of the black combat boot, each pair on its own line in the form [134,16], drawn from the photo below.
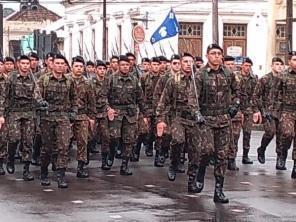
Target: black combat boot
[158,159]
[261,155]
[136,150]
[118,152]
[181,164]
[293,175]
[2,171]
[113,145]
[44,181]
[124,169]
[10,168]
[280,163]
[219,196]
[192,188]
[200,178]
[27,176]
[104,162]
[61,178]
[81,171]
[232,165]
[246,159]
[37,143]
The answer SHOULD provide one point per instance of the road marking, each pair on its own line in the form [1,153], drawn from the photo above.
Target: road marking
[110,175]
[150,185]
[48,190]
[115,216]
[19,179]
[253,173]
[246,183]
[191,195]
[238,210]
[292,193]
[77,201]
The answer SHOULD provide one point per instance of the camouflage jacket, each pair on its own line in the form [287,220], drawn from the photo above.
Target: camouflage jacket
[20,97]
[287,91]
[247,88]
[3,79]
[125,95]
[85,98]
[178,100]
[148,83]
[160,87]
[265,98]
[217,89]
[60,94]
[101,99]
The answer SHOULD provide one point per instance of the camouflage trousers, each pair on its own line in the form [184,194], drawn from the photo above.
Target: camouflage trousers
[123,131]
[183,133]
[102,132]
[3,143]
[215,141]
[20,130]
[287,127]
[270,129]
[80,134]
[55,137]
[247,129]
[235,130]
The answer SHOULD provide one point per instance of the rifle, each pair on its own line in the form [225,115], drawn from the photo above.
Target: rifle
[172,47]
[162,49]
[95,54]
[146,51]
[125,46]
[154,50]
[87,51]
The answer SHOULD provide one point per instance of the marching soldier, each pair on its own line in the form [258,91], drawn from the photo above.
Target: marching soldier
[199,63]
[215,86]
[163,64]
[287,99]
[145,65]
[125,96]
[9,65]
[266,105]
[85,118]
[179,103]
[59,91]
[34,62]
[90,69]
[20,103]
[113,65]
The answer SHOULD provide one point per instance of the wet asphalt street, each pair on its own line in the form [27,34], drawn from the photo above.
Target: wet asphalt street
[256,192]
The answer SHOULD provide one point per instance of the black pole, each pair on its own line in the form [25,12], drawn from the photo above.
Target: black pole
[215,21]
[104,52]
[1,30]
[289,24]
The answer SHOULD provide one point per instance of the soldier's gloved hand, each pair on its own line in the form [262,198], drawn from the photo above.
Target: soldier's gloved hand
[233,110]
[200,119]
[72,116]
[268,116]
[43,105]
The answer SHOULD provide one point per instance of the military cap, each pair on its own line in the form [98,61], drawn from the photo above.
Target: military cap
[292,53]
[175,57]
[277,59]
[48,55]
[214,46]
[23,57]
[228,58]
[33,55]
[1,60]
[129,54]
[114,57]
[90,63]
[146,60]
[247,60]
[59,56]
[186,54]
[8,59]
[162,59]
[78,59]
[100,63]
[198,59]
[123,58]
[155,59]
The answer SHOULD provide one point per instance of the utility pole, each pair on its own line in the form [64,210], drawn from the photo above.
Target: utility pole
[215,21]
[1,30]
[104,52]
[289,25]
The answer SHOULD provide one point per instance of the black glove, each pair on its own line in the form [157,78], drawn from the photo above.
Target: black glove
[72,116]
[199,118]
[268,116]
[43,105]
[233,109]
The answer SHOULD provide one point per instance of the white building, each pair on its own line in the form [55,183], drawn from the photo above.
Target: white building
[242,23]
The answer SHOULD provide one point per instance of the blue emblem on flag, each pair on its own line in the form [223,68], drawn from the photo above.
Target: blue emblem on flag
[168,28]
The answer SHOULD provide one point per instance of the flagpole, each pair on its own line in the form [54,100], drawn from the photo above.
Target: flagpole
[215,21]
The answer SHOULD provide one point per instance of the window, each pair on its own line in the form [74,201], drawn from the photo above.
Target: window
[191,29]
[234,30]
[280,39]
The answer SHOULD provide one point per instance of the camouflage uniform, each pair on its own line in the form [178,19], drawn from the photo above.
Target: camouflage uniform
[20,106]
[265,100]
[125,96]
[102,127]
[178,103]
[86,111]
[55,123]
[216,90]
[3,131]
[247,87]
[287,99]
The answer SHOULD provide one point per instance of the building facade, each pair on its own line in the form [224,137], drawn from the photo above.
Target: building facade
[246,28]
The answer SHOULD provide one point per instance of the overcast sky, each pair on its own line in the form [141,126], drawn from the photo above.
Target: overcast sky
[50,4]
